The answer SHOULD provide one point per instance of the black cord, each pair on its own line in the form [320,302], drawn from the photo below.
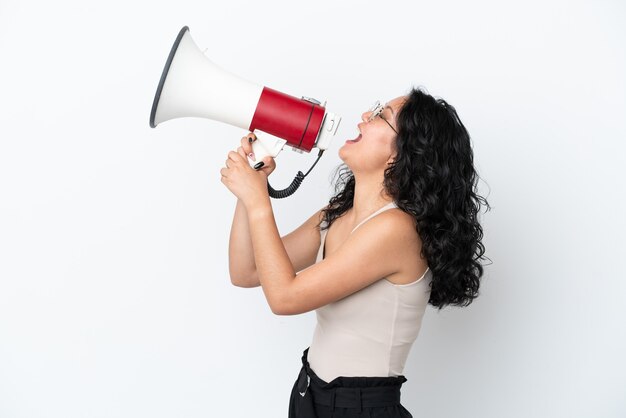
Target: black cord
[295,184]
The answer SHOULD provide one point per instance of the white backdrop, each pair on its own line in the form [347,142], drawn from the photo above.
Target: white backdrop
[115,299]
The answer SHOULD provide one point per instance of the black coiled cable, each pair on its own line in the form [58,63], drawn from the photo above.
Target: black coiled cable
[297,181]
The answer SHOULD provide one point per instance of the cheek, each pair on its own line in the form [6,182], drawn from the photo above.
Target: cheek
[379,153]
[387,144]
[392,147]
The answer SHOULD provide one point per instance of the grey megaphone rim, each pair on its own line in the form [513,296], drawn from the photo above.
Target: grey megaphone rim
[166,70]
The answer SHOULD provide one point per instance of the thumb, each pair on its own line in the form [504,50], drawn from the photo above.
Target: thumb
[268,165]
[269,161]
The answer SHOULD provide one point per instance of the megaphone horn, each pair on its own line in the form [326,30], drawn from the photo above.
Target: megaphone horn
[191,85]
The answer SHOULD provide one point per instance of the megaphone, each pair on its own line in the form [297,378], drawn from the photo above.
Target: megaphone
[191,85]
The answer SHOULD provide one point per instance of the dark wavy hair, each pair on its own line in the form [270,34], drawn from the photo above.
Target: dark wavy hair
[433,179]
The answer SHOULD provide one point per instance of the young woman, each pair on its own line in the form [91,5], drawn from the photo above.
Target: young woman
[401,232]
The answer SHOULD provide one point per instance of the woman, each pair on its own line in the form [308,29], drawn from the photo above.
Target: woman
[401,232]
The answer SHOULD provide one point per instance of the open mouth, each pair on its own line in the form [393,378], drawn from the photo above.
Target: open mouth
[352,141]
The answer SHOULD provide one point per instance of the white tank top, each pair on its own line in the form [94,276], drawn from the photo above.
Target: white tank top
[370,332]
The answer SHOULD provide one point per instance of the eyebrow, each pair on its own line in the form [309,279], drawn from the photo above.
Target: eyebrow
[389,107]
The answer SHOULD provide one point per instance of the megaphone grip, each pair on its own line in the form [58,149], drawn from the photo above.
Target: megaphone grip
[259,151]
[264,146]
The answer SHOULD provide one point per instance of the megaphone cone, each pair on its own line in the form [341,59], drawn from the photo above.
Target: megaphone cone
[192,85]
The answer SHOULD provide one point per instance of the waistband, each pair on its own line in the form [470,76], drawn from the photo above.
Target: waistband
[349,392]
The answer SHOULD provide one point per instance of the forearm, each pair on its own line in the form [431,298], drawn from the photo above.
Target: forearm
[240,252]
[273,266]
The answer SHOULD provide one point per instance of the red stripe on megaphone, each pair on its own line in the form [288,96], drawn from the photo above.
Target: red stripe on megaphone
[298,121]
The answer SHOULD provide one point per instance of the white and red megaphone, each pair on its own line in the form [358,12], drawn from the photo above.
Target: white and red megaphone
[192,85]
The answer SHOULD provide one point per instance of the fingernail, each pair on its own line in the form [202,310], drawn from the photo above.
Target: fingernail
[259,165]
[251,155]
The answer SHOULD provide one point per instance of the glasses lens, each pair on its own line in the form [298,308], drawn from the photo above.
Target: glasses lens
[375,109]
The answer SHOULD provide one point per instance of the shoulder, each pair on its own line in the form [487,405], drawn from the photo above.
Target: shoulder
[393,228]
[396,219]
[400,215]
[389,231]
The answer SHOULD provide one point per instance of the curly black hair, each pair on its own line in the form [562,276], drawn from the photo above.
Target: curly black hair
[433,179]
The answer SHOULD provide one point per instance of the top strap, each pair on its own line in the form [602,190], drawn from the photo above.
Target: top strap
[390,205]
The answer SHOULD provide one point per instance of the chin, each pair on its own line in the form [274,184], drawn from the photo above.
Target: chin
[340,153]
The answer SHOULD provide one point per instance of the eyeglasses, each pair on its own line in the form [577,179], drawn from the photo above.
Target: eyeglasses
[377,110]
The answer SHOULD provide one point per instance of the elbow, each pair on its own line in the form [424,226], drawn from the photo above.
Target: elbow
[281,309]
[234,280]
[242,284]
[276,307]
[238,279]
[238,282]
[284,303]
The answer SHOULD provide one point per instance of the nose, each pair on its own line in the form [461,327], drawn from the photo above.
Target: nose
[365,116]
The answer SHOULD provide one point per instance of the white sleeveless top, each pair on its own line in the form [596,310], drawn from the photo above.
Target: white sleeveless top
[370,332]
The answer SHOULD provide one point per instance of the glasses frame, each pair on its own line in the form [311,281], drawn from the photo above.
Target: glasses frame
[376,111]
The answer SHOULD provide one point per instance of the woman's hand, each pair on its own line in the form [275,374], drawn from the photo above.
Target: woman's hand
[246,145]
[248,184]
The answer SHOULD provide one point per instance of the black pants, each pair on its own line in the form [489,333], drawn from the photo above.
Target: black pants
[345,397]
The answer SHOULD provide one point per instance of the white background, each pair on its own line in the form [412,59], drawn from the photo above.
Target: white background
[115,299]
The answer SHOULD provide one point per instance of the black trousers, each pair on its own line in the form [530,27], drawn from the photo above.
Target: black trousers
[344,397]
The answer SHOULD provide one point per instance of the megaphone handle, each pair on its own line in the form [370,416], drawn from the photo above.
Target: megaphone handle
[259,151]
[266,145]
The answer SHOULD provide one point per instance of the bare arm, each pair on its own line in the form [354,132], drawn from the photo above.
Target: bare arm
[301,245]
[241,264]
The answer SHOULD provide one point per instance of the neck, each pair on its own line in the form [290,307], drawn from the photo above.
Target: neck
[369,196]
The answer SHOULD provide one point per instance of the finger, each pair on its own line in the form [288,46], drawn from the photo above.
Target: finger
[248,152]
[267,165]
[245,145]
[237,157]
[234,156]
[248,138]
[269,161]
[246,142]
